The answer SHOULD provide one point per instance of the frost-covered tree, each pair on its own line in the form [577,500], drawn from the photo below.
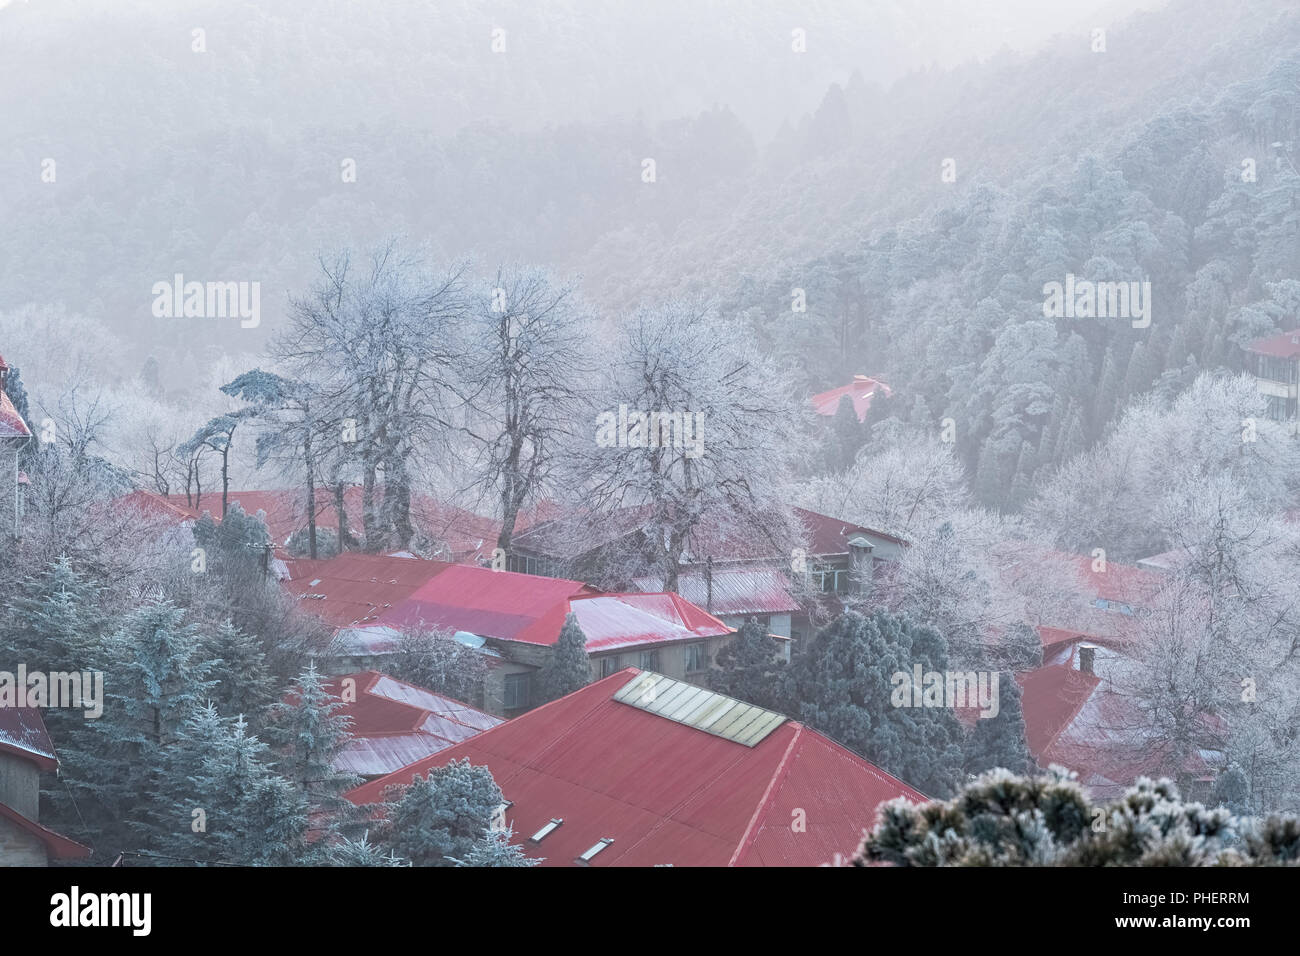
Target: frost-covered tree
[245,684]
[220,801]
[157,677]
[495,849]
[309,733]
[436,661]
[749,668]
[1005,820]
[358,852]
[526,366]
[569,667]
[843,686]
[377,344]
[999,741]
[440,817]
[718,449]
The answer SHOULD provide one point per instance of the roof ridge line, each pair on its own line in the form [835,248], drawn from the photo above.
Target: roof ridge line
[764,801]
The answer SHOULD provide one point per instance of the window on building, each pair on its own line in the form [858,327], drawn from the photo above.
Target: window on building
[650,660]
[697,657]
[608,665]
[517,691]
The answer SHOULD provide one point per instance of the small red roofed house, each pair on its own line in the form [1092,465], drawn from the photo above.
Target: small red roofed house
[513,619]
[1077,715]
[1275,364]
[860,392]
[395,723]
[638,769]
[25,753]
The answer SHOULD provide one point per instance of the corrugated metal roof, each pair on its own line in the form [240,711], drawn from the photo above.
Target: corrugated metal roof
[736,591]
[23,734]
[666,792]
[395,723]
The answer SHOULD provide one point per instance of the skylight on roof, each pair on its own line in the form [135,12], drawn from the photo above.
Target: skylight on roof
[547,830]
[590,854]
[702,709]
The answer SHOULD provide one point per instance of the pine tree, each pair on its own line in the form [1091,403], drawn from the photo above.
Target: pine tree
[222,802]
[495,849]
[310,733]
[440,817]
[55,620]
[245,685]
[114,765]
[442,664]
[750,669]
[999,741]
[1001,819]
[569,668]
[843,686]
[358,852]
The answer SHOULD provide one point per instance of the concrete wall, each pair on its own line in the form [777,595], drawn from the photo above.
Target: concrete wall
[20,848]
[20,785]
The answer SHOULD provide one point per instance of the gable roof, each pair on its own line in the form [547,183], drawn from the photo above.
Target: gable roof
[395,723]
[860,391]
[386,594]
[11,423]
[666,792]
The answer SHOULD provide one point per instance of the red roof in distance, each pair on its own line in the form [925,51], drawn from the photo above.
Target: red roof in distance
[665,792]
[861,391]
[1283,345]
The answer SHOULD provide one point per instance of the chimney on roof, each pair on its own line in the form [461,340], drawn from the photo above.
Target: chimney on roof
[1087,658]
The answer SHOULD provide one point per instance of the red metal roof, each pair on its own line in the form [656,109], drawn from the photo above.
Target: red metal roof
[665,792]
[361,591]
[23,734]
[464,535]
[395,723]
[1283,345]
[861,391]
[11,423]
[735,591]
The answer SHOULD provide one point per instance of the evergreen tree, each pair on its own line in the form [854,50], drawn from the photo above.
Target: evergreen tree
[569,668]
[440,817]
[750,669]
[221,801]
[359,852]
[55,620]
[999,741]
[843,686]
[310,733]
[114,764]
[1001,819]
[495,849]
[245,685]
